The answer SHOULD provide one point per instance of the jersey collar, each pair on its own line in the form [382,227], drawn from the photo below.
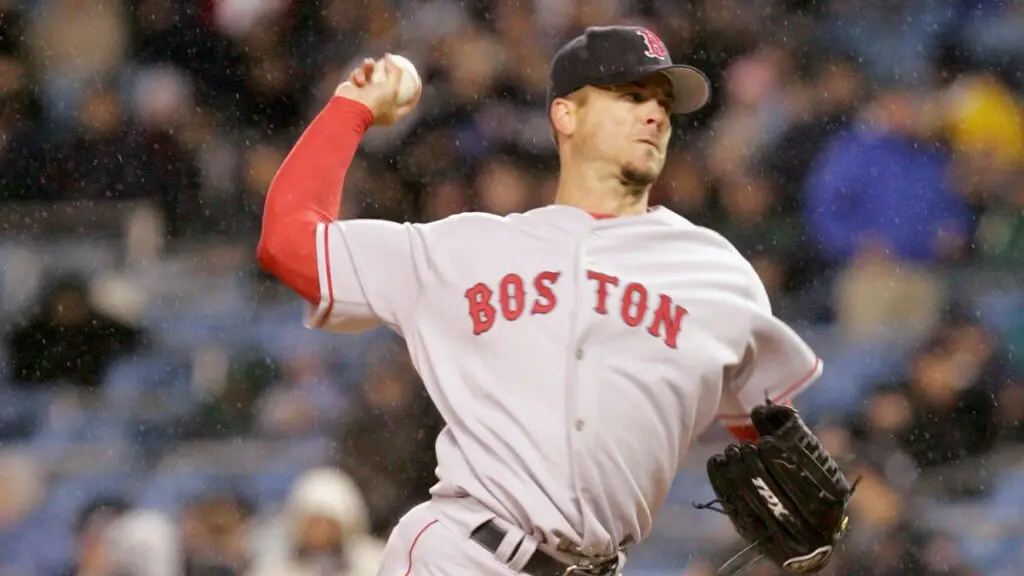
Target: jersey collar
[601,216]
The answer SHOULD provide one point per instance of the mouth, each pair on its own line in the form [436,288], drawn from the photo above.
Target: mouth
[650,142]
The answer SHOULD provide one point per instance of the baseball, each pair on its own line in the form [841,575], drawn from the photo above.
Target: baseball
[410,78]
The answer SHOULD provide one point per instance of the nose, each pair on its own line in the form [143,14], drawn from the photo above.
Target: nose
[654,114]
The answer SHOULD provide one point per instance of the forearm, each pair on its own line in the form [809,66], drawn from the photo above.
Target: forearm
[306,191]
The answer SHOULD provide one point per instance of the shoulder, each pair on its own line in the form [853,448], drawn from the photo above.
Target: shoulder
[718,247]
[698,236]
[554,218]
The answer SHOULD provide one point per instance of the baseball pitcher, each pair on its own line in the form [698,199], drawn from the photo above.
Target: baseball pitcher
[576,350]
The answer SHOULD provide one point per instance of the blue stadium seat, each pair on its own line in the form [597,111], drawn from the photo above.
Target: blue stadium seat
[271,488]
[72,493]
[302,453]
[169,491]
[851,369]
[22,412]
[60,429]
[148,384]
[20,552]
[1000,311]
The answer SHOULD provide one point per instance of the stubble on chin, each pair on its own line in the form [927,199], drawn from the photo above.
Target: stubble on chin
[637,180]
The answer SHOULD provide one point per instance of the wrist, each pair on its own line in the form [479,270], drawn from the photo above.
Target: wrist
[354,110]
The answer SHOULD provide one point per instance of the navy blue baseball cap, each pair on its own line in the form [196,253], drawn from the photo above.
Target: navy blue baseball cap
[609,55]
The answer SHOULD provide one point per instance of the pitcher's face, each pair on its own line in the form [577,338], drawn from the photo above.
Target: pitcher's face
[628,125]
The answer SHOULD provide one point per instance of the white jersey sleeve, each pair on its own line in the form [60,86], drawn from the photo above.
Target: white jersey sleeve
[370,273]
[777,365]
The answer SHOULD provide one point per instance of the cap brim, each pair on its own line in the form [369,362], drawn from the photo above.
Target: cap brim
[691,89]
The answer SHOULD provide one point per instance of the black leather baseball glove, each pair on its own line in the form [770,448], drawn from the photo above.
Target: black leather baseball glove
[784,494]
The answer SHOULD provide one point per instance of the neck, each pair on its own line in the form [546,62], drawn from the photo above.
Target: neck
[599,191]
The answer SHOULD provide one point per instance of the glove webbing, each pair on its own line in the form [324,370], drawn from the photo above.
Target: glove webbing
[724,569]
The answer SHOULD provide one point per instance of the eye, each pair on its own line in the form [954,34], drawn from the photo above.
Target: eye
[634,96]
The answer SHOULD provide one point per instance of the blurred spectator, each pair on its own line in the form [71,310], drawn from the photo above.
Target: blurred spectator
[991,36]
[305,402]
[323,530]
[257,168]
[985,119]
[880,203]
[951,418]
[67,340]
[756,112]
[23,484]
[896,41]
[503,186]
[984,123]
[768,237]
[878,431]
[93,152]
[229,408]
[21,140]
[683,188]
[92,557]
[74,45]
[142,543]
[445,198]
[883,188]
[835,90]
[161,167]
[215,535]
[985,362]
[386,442]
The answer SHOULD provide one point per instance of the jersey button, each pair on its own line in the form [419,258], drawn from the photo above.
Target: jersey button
[579,425]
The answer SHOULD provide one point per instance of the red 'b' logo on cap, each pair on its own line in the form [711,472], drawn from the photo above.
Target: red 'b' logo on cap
[655,47]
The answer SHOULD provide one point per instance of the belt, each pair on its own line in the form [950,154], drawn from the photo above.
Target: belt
[490,536]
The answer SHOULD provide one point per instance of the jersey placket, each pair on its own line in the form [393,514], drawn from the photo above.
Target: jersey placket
[581,400]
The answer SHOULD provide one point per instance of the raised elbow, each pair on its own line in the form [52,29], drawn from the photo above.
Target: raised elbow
[287,251]
[265,254]
[271,244]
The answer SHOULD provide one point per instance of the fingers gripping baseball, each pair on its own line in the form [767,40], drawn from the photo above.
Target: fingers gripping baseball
[360,77]
[378,84]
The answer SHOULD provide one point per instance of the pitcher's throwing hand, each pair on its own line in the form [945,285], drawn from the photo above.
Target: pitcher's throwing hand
[380,98]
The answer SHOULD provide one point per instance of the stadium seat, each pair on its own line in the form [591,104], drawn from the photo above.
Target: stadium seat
[22,412]
[1000,311]
[147,385]
[851,369]
[71,493]
[169,491]
[271,488]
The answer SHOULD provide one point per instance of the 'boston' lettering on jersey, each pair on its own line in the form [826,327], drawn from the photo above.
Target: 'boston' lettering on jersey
[635,301]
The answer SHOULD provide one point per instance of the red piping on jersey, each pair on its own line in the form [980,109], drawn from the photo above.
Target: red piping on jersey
[330,279]
[778,398]
[306,191]
[413,545]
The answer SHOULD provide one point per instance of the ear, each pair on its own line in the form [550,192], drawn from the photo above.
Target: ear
[563,116]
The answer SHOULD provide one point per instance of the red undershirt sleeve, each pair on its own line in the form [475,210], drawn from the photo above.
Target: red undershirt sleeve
[743,432]
[306,192]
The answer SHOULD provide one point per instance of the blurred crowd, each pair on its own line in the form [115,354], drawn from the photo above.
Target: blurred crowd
[867,157]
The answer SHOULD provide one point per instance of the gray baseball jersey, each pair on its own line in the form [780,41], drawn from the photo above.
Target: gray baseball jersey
[574,359]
